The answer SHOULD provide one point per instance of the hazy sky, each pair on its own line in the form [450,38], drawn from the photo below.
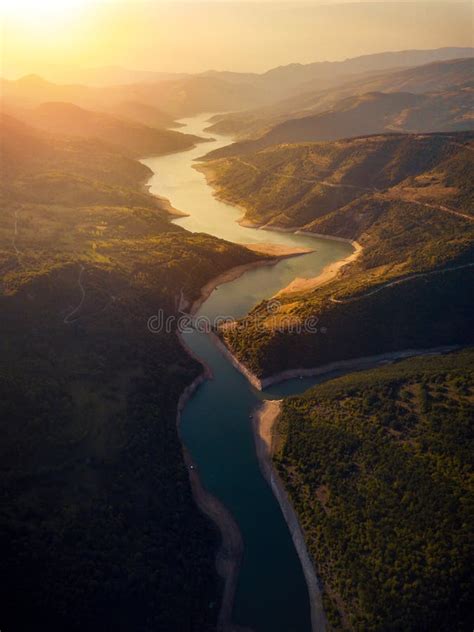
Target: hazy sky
[41,35]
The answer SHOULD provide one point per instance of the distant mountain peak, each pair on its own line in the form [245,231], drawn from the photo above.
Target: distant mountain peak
[33,80]
[59,106]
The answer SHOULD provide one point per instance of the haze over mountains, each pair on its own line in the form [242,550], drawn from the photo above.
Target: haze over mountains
[136,138]
[216,91]
[430,77]
[291,74]
[393,101]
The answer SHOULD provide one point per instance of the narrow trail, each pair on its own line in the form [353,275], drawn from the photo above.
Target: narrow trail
[68,319]
[15,234]
[398,282]
[18,252]
[439,207]
[333,185]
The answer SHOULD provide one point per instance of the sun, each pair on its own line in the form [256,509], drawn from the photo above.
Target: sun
[34,12]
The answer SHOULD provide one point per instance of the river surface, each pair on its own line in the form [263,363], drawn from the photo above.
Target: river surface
[271,595]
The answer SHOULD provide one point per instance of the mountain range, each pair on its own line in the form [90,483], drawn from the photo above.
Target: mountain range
[436,97]
[182,95]
[136,138]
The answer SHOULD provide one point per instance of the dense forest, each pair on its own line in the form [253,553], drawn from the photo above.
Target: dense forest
[379,467]
[407,200]
[98,528]
[128,134]
[294,185]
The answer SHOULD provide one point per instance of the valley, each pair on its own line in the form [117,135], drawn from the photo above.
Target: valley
[214,421]
[405,199]
[236,353]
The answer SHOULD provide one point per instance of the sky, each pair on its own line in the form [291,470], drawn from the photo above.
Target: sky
[52,37]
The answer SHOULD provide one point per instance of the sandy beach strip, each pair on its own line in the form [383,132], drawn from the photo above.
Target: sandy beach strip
[264,420]
[277,250]
[352,365]
[169,208]
[328,274]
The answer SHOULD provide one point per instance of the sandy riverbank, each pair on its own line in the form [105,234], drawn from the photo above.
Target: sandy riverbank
[163,202]
[348,366]
[263,425]
[229,554]
[277,250]
[169,208]
[251,377]
[230,551]
[328,274]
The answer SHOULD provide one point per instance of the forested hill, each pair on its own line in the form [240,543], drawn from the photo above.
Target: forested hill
[293,185]
[42,167]
[379,467]
[131,136]
[98,528]
[408,200]
[369,113]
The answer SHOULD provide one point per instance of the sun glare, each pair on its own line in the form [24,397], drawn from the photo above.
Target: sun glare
[35,12]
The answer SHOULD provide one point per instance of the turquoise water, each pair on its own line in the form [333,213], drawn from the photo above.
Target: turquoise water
[271,593]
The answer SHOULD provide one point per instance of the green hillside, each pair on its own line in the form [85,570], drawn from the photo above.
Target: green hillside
[379,468]
[293,184]
[133,137]
[407,200]
[98,526]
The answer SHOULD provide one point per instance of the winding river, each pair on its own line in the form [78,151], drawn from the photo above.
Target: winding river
[271,594]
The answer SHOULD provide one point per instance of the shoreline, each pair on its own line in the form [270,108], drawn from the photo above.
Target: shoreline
[263,422]
[206,169]
[209,175]
[353,364]
[327,274]
[234,273]
[228,554]
[231,549]
[164,203]
[236,363]
[277,250]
